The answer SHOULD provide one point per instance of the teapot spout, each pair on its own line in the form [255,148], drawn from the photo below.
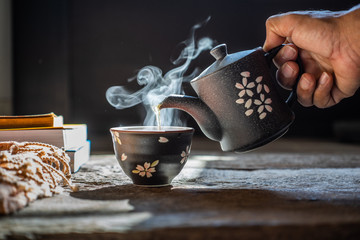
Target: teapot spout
[202,114]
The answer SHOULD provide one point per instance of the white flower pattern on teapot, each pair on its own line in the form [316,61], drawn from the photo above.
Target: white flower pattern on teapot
[261,103]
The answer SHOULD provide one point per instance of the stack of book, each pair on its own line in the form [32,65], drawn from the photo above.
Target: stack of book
[48,128]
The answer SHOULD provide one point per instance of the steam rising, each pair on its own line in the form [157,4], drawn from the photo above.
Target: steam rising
[157,87]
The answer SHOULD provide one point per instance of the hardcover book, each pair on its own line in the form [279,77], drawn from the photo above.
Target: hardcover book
[31,121]
[69,136]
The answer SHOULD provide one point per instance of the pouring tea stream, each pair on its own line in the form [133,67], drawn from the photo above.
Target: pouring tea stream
[238,103]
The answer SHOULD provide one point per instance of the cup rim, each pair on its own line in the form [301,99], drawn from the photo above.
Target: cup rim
[152,129]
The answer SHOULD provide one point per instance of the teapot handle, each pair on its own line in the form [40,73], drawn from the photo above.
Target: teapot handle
[270,55]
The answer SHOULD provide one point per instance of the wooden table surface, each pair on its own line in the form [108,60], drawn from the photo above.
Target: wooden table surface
[290,189]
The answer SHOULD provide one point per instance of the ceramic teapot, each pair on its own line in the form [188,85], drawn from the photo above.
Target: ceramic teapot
[238,103]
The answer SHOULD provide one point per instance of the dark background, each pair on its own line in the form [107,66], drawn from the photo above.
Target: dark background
[68,53]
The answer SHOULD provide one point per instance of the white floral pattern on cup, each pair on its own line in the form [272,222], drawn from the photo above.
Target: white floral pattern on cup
[185,155]
[123,157]
[117,138]
[254,101]
[163,140]
[146,170]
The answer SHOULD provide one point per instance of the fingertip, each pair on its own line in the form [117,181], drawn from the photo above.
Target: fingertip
[272,41]
[307,83]
[325,80]
[322,94]
[288,53]
[286,75]
[305,89]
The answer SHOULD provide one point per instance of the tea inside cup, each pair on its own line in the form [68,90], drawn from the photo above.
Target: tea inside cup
[151,156]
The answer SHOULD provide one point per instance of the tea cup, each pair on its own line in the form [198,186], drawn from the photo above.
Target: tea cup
[152,156]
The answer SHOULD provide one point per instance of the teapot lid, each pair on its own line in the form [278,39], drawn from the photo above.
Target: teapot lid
[223,59]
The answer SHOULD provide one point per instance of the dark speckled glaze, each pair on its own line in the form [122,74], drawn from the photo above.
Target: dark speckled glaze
[151,157]
[238,103]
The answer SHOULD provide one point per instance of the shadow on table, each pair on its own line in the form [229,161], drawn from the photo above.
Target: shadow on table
[177,213]
[169,199]
[173,200]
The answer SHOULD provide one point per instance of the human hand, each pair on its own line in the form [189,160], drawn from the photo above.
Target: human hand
[329,47]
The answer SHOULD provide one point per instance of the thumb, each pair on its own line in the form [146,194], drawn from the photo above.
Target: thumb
[278,29]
